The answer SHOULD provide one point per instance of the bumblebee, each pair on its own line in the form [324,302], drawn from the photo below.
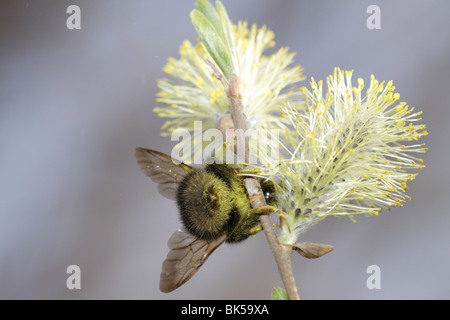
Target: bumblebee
[214,208]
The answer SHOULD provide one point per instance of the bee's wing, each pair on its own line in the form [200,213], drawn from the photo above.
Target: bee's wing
[162,170]
[187,254]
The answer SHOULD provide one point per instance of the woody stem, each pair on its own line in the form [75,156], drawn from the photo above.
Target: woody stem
[281,252]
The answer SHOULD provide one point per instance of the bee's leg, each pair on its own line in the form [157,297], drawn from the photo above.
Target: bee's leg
[265,210]
[259,228]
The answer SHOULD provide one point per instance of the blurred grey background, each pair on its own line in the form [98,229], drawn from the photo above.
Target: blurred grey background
[75,103]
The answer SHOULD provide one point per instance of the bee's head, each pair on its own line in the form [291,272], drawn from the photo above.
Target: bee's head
[205,202]
[269,192]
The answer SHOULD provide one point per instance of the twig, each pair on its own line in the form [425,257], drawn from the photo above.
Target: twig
[281,252]
[218,74]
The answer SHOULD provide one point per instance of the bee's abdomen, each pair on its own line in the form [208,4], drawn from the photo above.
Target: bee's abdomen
[233,220]
[224,172]
[204,201]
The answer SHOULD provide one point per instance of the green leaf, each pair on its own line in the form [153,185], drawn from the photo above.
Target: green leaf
[215,31]
[205,7]
[279,294]
[213,42]
[228,34]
